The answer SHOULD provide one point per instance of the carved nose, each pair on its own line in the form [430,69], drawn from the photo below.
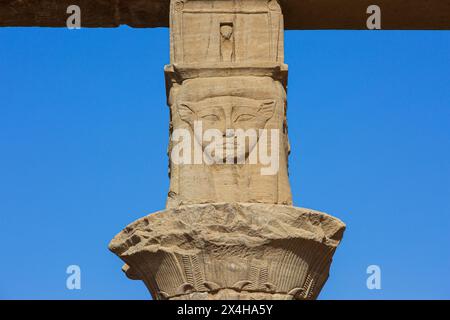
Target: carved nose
[228,126]
[229,133]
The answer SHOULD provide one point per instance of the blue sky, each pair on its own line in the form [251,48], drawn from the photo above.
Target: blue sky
[84,132]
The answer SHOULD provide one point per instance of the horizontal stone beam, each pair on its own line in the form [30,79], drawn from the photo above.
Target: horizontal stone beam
[299,14]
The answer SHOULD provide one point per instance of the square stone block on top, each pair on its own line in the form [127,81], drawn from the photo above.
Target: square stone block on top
[225,31]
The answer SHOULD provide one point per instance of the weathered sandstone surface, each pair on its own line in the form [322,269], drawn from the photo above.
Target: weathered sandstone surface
[230,251]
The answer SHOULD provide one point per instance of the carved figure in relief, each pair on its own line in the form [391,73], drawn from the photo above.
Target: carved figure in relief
[249,115]
[226,42]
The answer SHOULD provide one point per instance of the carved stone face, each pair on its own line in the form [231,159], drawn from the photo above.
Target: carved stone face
[225,113]
[226,31]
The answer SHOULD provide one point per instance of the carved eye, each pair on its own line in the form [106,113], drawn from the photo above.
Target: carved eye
[245,117]
[210,117]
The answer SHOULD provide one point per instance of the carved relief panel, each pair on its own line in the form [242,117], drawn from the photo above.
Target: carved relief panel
[246,107]
[226,31]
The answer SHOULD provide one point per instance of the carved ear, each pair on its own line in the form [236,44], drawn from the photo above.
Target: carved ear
[267,109]
[185,112]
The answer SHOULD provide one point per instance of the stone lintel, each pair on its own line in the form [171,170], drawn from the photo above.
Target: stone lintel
[299,14]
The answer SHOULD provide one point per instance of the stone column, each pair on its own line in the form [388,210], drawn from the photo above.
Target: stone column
[229,230]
